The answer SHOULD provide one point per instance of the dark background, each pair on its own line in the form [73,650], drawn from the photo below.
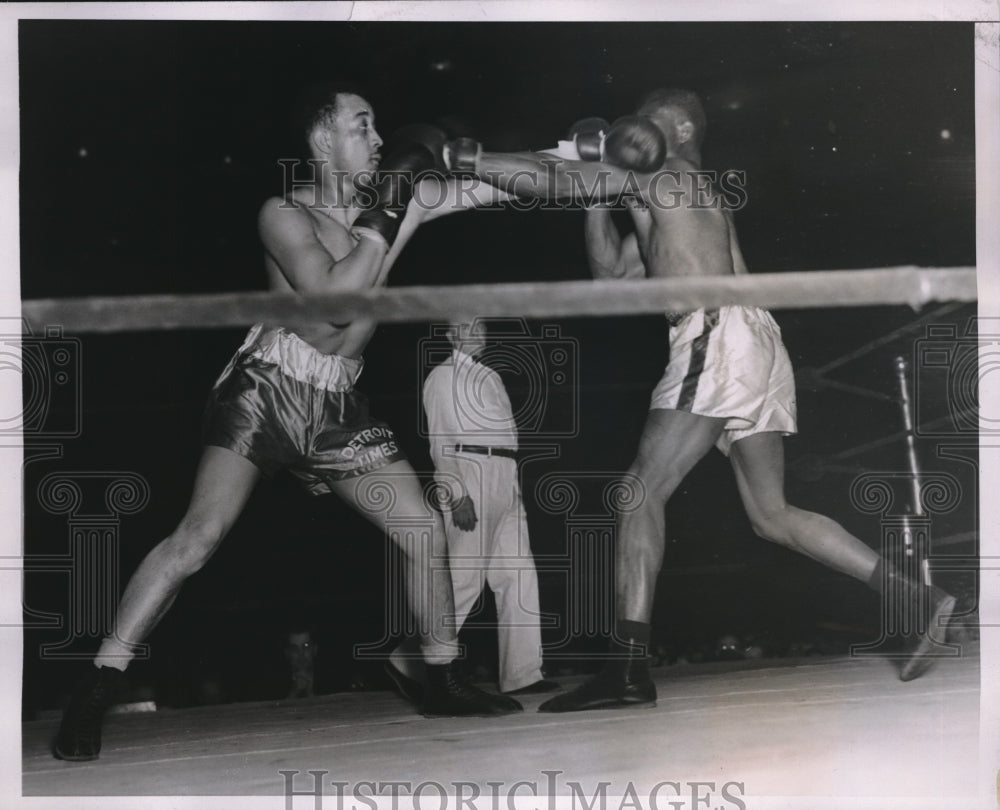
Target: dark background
[148,147]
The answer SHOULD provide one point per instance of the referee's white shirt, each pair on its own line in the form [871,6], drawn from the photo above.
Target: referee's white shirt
[465,403]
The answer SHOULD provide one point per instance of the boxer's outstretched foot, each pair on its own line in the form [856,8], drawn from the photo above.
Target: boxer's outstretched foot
[927,649]
[79,737]
[619,684]
[449,694]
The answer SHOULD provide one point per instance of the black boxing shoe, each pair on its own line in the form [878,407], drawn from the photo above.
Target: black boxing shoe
[620,684]
[927,649]
[537,688]
[450,694]
[926,608]
[408,688]
[79,737]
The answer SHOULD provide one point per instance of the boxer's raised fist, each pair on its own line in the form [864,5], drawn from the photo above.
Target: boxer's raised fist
[430,137]
[392,189]
[634,142]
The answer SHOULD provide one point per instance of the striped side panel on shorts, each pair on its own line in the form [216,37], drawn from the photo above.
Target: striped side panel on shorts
[699,349]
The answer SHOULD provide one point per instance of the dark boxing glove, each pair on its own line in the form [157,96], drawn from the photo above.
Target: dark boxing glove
[634,142]
[426,135]
[588,135]
[451,155]
[418,151]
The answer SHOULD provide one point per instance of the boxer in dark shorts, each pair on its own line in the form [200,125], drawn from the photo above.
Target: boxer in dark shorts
[283,405]
[287,401]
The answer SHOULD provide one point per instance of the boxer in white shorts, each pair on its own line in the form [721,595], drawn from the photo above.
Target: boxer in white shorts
[729,363]
[728,382]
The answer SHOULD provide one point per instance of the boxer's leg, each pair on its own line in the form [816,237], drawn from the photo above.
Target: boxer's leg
[222,485]
[429,591]
[671,444]
[759,464]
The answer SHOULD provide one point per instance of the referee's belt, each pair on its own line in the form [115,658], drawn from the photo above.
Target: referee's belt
[486,450]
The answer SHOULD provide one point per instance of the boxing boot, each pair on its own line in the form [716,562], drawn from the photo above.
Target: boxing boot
[624,681]
[408,688]
[450,694]
[924,609]
[79,737]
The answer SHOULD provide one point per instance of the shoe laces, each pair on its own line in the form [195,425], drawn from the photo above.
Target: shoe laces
[461,686]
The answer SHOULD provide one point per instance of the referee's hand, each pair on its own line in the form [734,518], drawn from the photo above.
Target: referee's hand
[463,514]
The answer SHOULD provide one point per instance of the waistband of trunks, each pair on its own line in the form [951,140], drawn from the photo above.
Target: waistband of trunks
[299,360]
[676,318]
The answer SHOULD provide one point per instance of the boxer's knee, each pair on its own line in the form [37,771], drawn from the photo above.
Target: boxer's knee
[192,544]
[772,522]
[656,479]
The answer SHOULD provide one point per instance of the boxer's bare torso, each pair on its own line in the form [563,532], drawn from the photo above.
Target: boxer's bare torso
[685,229]
[331,230]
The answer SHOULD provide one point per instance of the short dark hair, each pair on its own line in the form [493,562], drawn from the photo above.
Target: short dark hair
[317,104]
[687,101]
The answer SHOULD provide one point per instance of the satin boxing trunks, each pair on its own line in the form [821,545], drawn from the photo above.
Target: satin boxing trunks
[284,405]
[729,363]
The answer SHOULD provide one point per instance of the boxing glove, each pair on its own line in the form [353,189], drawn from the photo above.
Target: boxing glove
[418,153]
[455,155]
[588,135]
[433,138]
[461,155]
[634,142]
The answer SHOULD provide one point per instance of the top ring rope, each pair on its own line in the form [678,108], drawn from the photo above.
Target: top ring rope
[909,285]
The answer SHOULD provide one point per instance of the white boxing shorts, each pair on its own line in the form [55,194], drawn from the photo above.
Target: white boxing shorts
[730,363]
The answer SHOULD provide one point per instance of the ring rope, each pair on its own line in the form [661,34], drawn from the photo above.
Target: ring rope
[909,285]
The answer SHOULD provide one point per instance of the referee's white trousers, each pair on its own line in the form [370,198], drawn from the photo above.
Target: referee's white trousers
[497,551]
